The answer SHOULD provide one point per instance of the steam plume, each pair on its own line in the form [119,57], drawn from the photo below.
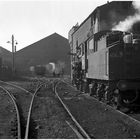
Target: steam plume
[127,24]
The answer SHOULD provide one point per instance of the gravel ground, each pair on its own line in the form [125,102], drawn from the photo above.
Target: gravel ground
[7,116]
[48,118]
[99,120]
[23,100]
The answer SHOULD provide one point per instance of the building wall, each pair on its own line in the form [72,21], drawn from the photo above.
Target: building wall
[81,34]
[53,48]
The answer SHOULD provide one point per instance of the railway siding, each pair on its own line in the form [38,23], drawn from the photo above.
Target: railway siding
[48,116]
[98,119]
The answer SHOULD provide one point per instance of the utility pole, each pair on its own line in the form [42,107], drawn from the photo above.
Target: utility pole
[13,53]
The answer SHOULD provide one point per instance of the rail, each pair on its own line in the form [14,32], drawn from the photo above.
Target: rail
[83,132]
[16,86]
[75,130]
[30,111]
[17,111]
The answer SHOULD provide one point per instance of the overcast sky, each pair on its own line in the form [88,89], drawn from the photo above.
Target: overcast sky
[33,20]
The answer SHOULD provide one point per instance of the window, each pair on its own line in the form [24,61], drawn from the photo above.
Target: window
[90,46]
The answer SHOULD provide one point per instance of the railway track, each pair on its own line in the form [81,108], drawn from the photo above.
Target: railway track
[31,105]
[84,125]
[18,107]
[18,127]
[30,111]
[120,118]
[77,128]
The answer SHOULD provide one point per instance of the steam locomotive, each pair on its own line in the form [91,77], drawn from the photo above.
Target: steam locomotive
[106,62]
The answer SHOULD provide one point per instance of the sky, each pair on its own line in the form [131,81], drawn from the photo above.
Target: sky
[32,20]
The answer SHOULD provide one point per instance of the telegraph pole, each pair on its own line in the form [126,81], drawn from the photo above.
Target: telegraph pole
[14,43]
[13,55]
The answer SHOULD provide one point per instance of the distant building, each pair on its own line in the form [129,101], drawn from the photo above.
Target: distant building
[53,48]
[5,57]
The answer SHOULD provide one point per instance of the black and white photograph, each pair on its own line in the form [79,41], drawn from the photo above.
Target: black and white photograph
[69,69]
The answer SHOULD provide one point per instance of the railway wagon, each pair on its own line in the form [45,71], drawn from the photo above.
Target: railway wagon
[106,62]
[50,69]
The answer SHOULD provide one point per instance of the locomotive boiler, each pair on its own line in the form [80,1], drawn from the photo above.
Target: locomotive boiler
[106,62]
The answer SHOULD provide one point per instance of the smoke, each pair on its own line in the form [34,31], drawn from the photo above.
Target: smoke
[127,24]
[136,5]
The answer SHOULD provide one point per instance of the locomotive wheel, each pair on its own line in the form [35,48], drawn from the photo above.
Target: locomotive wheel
[129,97]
